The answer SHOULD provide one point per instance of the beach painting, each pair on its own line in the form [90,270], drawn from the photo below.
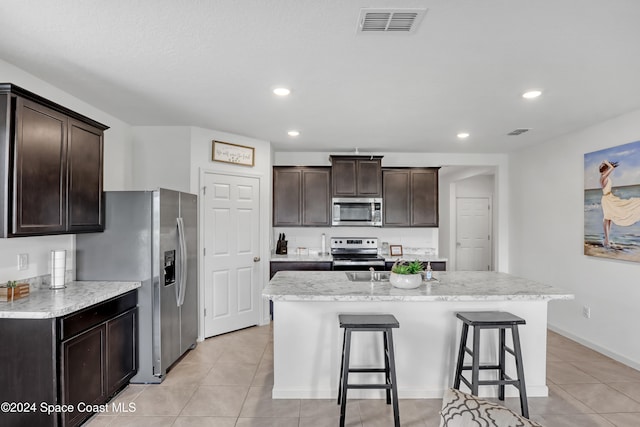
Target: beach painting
[612,202]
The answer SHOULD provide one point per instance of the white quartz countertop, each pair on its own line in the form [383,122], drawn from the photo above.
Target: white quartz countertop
[447,286]
[43,303]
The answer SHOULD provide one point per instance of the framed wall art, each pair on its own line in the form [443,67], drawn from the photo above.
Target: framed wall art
[395,250]
[233,153]
[612,202]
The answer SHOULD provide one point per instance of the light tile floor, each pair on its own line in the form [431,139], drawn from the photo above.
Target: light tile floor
[226,381]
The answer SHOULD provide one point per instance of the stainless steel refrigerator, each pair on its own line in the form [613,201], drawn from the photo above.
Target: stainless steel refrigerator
[151,237]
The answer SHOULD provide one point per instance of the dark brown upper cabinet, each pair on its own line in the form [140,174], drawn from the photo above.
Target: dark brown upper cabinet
[52,167]
[301,196]
[85,172]
[410,197]
[356,176]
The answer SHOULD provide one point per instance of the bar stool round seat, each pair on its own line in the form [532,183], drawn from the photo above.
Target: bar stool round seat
[369,322]
[501,321]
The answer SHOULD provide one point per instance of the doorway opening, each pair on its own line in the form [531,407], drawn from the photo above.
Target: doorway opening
[468,221]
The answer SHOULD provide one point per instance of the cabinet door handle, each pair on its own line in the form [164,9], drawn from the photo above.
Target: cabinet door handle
[256,259]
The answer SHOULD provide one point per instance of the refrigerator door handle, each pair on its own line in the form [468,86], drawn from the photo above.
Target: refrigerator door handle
[182,245]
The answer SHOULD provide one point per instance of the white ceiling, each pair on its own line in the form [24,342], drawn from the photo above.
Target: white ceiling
[213,64]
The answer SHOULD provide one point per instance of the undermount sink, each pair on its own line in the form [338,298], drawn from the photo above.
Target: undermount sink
[368,276]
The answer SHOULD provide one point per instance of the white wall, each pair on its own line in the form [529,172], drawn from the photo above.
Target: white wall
[162,157]
[495,162]
[477,186]
[201,156]
[547,217]
[117,176]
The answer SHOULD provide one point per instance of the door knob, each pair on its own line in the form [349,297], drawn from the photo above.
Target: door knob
[256,258]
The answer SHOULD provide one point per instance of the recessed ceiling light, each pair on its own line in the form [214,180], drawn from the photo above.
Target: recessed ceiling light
[281,91]
[532,94]
[293,133]
[463,135]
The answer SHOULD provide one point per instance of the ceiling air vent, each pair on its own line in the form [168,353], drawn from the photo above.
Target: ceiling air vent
[390,20]
[518,131]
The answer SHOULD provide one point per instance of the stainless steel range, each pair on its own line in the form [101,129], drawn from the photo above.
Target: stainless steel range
[356,253]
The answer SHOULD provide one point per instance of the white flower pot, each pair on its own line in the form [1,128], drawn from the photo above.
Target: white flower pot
[405,281]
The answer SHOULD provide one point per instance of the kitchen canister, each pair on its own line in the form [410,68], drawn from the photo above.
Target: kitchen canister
[58,268]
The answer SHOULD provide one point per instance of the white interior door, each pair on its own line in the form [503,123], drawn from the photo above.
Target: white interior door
[232,248]
[473,233]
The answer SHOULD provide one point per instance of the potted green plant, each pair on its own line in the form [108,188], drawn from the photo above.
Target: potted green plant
[406,275]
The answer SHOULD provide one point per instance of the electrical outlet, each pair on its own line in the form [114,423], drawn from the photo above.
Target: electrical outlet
[586,312]
[23,261]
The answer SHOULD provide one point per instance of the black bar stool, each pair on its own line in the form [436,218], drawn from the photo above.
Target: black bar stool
[369,322]
[491,320]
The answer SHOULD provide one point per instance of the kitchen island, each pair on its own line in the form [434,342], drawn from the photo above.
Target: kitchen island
[308,340]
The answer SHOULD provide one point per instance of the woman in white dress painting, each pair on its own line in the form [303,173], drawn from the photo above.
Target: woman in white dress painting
[623,212]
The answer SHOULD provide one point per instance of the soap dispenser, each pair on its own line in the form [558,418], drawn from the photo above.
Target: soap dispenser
[429,271]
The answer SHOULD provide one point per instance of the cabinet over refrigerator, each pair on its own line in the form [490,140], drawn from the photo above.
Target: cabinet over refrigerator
[151,237]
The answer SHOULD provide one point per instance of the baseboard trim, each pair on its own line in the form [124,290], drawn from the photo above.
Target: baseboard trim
[615,356]
[486,391]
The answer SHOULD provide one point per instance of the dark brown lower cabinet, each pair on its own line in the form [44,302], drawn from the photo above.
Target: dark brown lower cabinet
[83,366]
[435,265]
[276,266]
[78,360]
[28,371]
[97,363]
[121,351]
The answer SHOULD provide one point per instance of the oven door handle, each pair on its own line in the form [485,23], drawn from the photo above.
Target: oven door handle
[348,263]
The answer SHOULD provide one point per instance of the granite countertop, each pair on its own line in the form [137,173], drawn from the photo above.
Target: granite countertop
[412,257]
[447,286]
[44,303]
[315,257]
[311,257]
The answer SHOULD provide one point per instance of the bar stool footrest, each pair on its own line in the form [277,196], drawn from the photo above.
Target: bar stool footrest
[469,367]
[499,382]
[370,386]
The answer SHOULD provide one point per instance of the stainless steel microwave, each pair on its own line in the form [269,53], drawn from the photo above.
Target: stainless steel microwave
[352,211]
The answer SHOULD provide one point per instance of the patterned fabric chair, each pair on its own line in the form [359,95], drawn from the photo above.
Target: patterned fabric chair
[460,409]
